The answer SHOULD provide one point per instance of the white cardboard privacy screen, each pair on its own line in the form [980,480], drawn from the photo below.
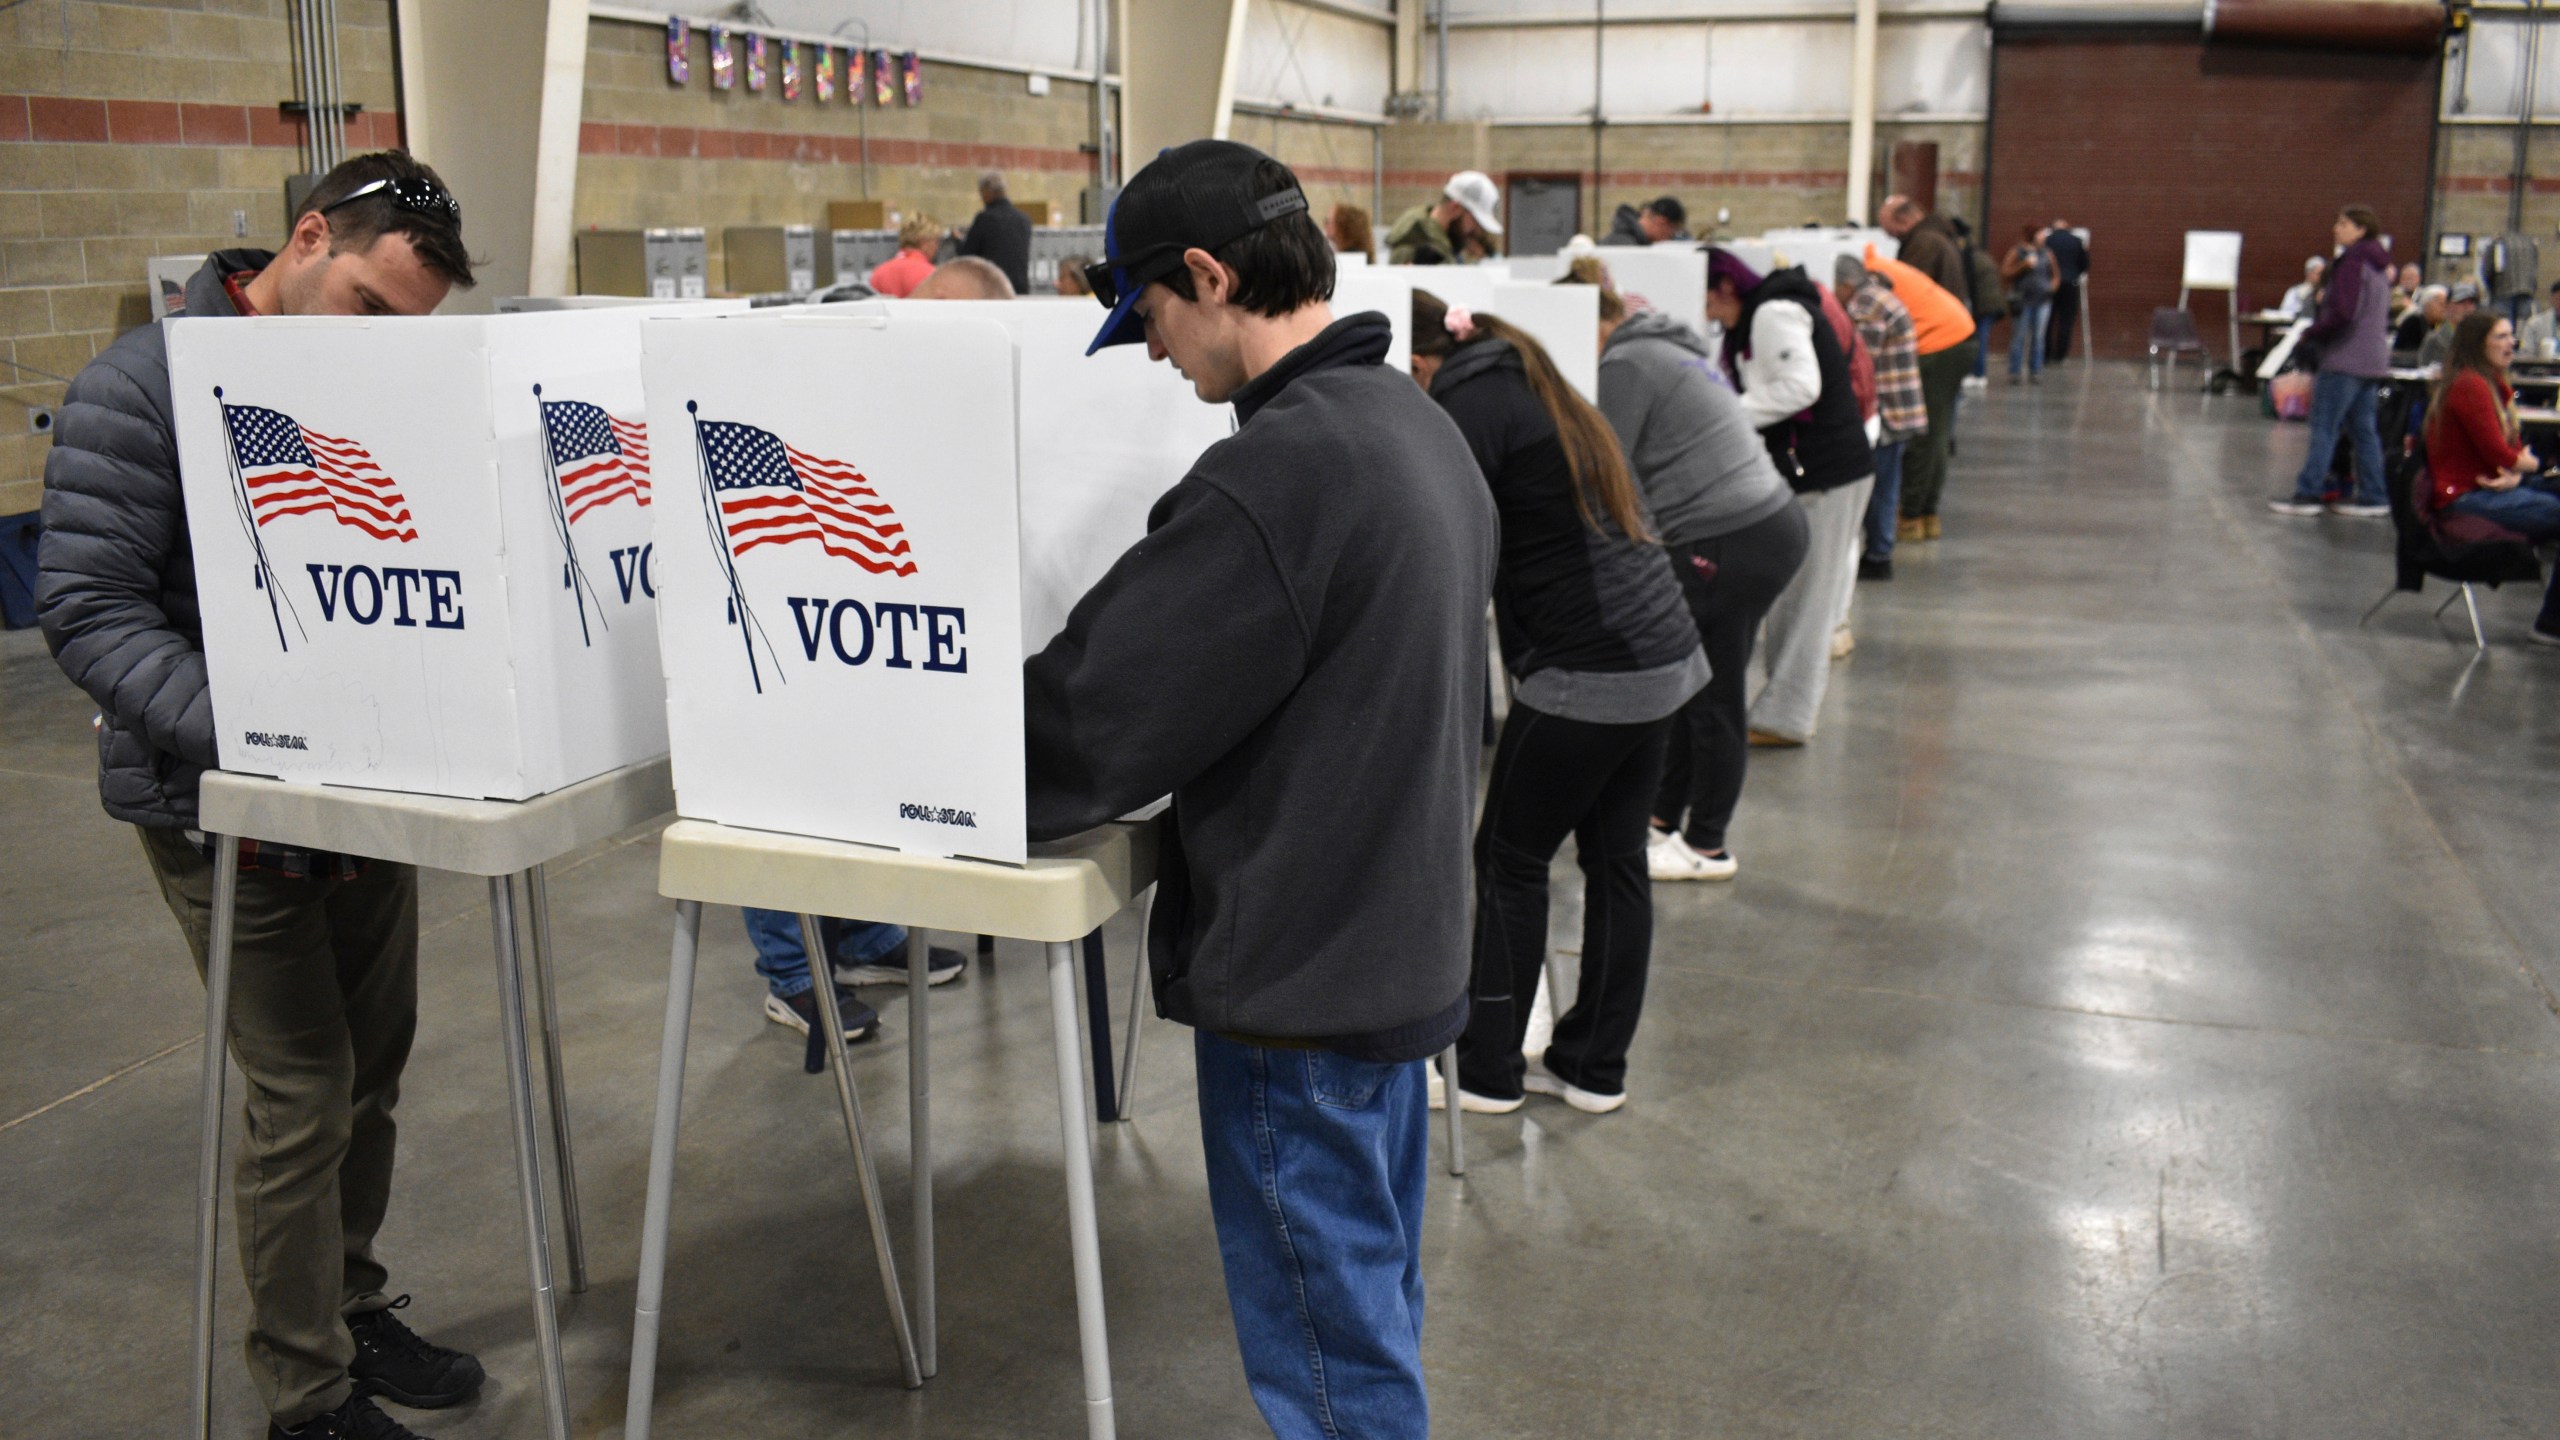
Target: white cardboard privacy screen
[1102,436]
[1668,278]
[839,577]
[416,574]
[1563,318]
[1377,288]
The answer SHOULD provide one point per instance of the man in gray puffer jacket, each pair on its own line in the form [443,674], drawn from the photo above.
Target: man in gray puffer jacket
[324,988]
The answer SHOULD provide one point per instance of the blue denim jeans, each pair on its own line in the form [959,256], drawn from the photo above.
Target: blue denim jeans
[2342,402]
[1884,503]
[2026,338]
[1317,1164]
[784,964]
[2531,510]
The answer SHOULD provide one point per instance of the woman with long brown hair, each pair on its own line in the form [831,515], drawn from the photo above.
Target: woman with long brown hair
[2477,463]
[1602,652]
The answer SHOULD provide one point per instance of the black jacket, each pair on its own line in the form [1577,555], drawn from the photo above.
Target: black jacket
[1567,596]
[2070,257]
[116,577]
[1001,236]
[1295,652]
[1824,446]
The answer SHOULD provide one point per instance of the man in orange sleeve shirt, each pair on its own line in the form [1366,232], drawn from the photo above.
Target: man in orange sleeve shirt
[1943,332]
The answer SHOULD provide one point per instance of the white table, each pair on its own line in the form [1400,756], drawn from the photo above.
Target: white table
[499,839]
[1066,892]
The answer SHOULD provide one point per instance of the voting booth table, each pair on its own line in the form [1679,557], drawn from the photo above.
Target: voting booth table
[873,512]
[429,614]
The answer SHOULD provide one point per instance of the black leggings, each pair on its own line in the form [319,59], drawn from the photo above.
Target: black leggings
[1554,777]
[1731,581]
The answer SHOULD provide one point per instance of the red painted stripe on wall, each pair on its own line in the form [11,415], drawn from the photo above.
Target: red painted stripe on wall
[688,142]
[69,120]
[2498,184]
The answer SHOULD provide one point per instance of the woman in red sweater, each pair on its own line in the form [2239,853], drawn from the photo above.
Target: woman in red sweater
[904,271]
[2476,462]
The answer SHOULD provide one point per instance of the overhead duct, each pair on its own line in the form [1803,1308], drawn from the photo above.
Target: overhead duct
[2392,26]
[2398,27]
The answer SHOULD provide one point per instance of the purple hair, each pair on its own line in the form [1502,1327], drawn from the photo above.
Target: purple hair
[1723,264]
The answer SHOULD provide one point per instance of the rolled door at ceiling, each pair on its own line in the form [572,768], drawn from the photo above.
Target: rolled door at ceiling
[2143,136]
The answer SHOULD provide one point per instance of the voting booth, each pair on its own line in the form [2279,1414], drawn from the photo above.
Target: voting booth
[839,576]
[423,547]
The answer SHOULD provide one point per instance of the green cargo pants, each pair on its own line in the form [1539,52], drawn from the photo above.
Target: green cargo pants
[324,1002]
[1924,465]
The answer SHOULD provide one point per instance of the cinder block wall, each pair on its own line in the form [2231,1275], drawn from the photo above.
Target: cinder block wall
[2475,179]
[134,130]
[655,153]
[1334,163]
[1766,175]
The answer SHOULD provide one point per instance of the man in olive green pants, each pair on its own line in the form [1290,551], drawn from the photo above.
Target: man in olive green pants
[320,957]
[1924,466]
[324,980]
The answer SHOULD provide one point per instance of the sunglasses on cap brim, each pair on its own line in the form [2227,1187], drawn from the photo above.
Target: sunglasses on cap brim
[419,196]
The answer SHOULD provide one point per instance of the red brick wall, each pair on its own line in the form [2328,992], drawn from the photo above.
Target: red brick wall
[2142,138]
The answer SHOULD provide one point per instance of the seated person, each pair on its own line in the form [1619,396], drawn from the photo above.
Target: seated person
[2304,298]
[2405,284]
[859,952]
[2539,336]
[967,278]
[2426,312]
[2458,305]
[2477,464]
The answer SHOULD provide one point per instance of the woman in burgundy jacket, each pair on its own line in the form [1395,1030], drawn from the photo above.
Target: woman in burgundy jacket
[2476,462]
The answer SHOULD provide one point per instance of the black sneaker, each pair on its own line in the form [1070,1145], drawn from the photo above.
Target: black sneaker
[941,967]
[355,1420]
[800,1012]
[1875,569]
[394,1362]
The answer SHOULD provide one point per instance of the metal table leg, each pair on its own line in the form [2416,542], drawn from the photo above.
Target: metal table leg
[831,1016]
[920,1142]
[1137,1018]
[662,1174]
[1083,1237]
[537,1220]
[1457,1133]
[1097,1004]
[556,1079]
[217,1060]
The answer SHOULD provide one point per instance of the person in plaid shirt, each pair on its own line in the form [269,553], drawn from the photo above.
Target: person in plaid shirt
[1884,327]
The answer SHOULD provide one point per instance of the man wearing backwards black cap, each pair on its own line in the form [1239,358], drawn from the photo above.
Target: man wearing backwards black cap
[1296,654]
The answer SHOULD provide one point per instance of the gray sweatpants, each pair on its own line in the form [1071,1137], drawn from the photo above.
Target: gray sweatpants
[1797,642]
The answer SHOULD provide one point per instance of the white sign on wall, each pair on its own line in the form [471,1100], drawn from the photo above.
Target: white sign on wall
[416,572]
[839,573]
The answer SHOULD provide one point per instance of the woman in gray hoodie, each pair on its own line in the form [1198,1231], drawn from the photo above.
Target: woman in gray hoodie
[1735,537]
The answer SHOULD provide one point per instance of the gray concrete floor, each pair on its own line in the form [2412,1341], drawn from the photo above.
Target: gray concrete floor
[2134,1018]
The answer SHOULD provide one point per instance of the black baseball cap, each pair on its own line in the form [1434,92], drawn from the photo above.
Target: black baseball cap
[1196,196]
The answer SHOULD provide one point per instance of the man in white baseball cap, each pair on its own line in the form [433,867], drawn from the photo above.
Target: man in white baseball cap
[1437,234]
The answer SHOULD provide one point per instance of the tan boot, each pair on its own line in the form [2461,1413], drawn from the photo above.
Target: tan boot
[1912,527]
[1931,522]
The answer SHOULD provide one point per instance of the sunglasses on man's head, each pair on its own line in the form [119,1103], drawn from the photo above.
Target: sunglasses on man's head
[422,196]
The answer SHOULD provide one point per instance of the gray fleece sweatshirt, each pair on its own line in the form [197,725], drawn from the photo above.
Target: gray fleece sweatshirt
[1703,468]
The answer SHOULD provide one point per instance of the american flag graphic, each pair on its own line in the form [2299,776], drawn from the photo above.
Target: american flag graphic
[773,493]
[598,457]
[288,468]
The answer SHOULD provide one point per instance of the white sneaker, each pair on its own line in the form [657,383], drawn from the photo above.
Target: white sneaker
[1539,1082]
[1670,857]
[2353,511]
[1468,1100]
[1842,642]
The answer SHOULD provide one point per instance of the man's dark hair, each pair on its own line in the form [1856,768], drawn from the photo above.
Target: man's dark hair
[435,236]
[1285,265]
[1670,208]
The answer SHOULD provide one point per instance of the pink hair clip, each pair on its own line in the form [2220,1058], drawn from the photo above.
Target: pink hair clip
[1461,322]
